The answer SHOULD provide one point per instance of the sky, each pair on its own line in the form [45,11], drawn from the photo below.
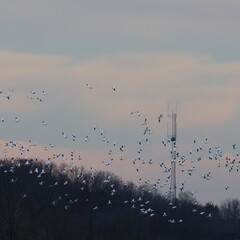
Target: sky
[95,62]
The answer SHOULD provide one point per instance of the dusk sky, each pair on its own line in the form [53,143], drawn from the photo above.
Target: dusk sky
[94,62]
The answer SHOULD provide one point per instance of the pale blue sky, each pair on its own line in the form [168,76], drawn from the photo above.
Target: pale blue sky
[87,29]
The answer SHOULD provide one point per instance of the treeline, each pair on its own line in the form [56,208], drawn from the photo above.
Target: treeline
[49,202]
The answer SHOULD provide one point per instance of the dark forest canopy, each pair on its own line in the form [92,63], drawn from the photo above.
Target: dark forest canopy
[49,202]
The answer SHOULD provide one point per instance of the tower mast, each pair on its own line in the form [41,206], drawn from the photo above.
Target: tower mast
[173,186]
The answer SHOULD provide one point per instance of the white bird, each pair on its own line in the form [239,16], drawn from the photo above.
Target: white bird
[159,117]
[136,112]
[44,93]
[89,86]
[227,187]
[44,123]
[122,148]
[30,97]
[146,130]
[13,180]
[145,122]
[17,119]
[7,95]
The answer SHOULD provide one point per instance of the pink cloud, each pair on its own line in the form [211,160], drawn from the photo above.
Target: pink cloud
[144,82]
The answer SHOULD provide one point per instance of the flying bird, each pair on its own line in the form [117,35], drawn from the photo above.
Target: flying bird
[89,86]
[159,117]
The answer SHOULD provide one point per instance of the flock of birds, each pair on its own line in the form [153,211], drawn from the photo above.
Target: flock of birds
[140,204]
[186,161]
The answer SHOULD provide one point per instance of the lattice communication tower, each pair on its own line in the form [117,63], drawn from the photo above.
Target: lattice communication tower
[173,137]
